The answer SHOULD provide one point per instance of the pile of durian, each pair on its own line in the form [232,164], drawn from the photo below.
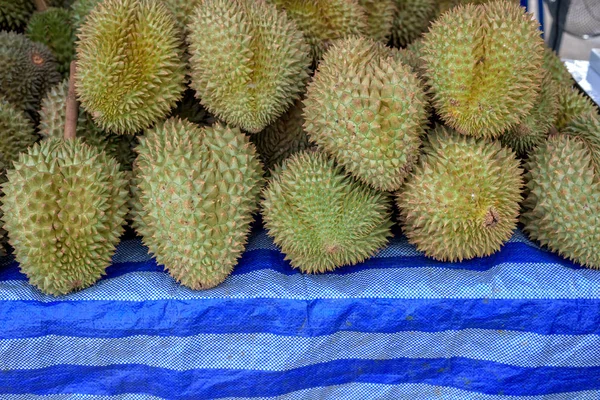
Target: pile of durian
[333,119]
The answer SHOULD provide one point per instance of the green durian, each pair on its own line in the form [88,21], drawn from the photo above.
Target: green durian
[198,189]
[129,64]
[586,128]
[64,206]
[80,9]
[53,28]
[534,128]
[484,65]
[368,110]
[189,108]
[411,56]
[380,18]
[324,21]
[182,10]
[14,14]
[283,138]
[572,104]
[559,72]
[462,200]
[52,125]
[563,202]
[411,20]
[16,135]
[252,75]
[321,218]
[29,70]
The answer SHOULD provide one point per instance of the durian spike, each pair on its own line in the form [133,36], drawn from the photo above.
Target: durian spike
[72,105]
[41,5]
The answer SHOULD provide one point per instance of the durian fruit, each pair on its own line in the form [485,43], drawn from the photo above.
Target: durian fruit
[534,128]
[462,201]
[14,14]
[321,218]
[563,202]
[29,70]
[380,18]
[411,20]
[368,110]
[284,137]
[130,66]
[572,104]
[484,66]
[189,108]
[559,72]
[64,206]
[198,188]
[251,75]
[182,10]
[16,135]
[324,21]
[586,128]
[52,125]
[80,9]
[411,56]
[53,28]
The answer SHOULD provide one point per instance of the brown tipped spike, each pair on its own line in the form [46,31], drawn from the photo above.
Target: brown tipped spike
[72,105]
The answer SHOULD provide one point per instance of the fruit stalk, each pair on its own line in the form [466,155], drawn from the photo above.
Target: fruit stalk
[41,5]
[72,105]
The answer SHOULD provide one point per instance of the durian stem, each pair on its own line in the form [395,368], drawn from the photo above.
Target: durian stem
[40,5]
[72,105]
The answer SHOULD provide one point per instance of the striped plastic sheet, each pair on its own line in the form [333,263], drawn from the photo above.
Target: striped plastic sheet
[520,324]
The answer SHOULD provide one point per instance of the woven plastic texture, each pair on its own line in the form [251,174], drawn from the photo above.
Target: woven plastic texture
[583,18]
[522,324]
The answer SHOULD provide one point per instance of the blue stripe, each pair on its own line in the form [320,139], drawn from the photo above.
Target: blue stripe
[471,375]
[109,319]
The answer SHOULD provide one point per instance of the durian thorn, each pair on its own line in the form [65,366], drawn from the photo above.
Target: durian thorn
[40,5]
[71,105]
[491,218]
[332,248]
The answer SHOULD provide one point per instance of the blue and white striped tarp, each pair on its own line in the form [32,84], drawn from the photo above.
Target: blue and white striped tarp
[520,324]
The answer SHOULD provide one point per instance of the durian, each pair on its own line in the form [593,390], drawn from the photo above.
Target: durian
[571,105]
[14,14]
[52,125]
[462,200]
[484,63]
[563,202]
[324,21]
[249,61]
[29,70]
[16,135]
[380,17]
[368,110]
[411,19]
[80,9]
[53,28]
[198,188]
[283,138]
[182,10]
[64,206]
[534,128]
[586,128]
[130,66]
[320,217]
[559,72]
[189,108]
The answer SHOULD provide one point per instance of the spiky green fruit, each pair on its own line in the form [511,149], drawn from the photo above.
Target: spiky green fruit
[559,72]
[182,10]
[198,188]
[189,108]
[64,208]
[129,64]
[252,75]
[54,29]
[16,135]
[14,14]
[380,18]
[80,9]
[411,20]
[462,201]
[483,63]
[534,128]
[586,128]
[571,105]
[324,21]
[368,110]
[29,70]
[52,125]
[563,204]
[284,137]
[320,217]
